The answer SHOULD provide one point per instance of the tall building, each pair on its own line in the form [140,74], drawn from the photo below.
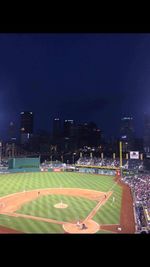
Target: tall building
[26,127]
[147,133]
[87,134]
[94,136]
[68,124]
[127,134]
[56,128]
[80,135]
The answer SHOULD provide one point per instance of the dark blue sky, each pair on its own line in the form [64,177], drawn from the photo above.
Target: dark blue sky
[85,77]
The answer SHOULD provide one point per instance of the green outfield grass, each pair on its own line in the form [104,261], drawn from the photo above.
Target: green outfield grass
[104,232]
[78,208]
[43,206]
[24,225]
[110,212]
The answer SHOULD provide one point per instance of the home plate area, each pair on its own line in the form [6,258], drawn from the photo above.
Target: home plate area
[86,227]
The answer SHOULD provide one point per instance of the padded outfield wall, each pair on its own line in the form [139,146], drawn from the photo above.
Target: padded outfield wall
[24,164]
[97,171]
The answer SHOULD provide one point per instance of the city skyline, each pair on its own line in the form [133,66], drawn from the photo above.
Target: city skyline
[84,77]
[17,126]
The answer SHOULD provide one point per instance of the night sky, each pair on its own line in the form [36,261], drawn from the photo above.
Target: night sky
[85,77]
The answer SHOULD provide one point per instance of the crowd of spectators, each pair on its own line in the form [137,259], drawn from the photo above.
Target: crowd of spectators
[140,217]
[140,186]
[134,164]
[98,161]
[3,163]
[3,166]
[130,164]
[54,164]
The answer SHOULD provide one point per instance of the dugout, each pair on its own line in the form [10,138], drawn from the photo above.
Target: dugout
[24,164]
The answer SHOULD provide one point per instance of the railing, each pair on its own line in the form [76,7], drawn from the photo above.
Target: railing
[134,212]
[97,167]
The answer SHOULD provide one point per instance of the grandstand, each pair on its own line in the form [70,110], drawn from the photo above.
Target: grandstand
[127,164]
[140,187]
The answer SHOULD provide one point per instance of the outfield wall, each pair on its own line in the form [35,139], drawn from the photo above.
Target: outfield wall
[24,170]
[33,165]
[97,171]
[24,163]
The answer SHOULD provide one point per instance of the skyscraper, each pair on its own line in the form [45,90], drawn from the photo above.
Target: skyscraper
[26,129]
[56,128]
[147,133]
[127,134]
[68,124]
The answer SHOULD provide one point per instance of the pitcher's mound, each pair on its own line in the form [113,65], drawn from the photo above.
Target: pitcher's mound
[91,228]
[61,205]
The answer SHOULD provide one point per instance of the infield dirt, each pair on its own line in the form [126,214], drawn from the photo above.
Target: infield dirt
[11,203]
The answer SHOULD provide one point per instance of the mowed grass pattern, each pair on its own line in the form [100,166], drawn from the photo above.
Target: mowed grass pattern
[110,212]
[12,183]
[78,208]
[24,225]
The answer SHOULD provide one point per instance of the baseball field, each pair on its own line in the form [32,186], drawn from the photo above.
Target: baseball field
[51,202]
